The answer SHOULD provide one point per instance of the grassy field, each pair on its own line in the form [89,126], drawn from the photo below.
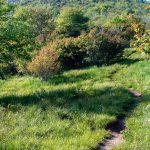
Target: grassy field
[70,111]
[137,134]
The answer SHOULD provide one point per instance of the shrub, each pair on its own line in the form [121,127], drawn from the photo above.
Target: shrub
[3,70]
[72,51]
[105,47]
[98,47]
[45,63]
[142,43]
[141,40]
[122,25]
[7,69]
[71,21]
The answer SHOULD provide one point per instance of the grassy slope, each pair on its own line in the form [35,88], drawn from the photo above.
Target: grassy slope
[70,111]
[137,134]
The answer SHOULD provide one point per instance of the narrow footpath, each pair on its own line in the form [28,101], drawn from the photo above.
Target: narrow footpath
[116,128]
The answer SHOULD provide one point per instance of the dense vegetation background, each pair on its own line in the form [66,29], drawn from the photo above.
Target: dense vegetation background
[82,32]
[65,70]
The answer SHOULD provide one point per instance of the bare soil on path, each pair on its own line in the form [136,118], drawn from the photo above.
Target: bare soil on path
[116,137]
[116,128]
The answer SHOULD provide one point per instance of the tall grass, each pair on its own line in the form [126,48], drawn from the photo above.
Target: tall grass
[70,111]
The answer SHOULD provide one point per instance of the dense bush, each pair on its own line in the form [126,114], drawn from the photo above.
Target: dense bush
[26,28]
[7,69]
[3,70]
[72,51]
[141,39]
[105,47]
[17,40]
[122,25]
[98,47]
[45,63]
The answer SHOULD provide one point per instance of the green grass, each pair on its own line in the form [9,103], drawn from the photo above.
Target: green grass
[71,110]
[137,134]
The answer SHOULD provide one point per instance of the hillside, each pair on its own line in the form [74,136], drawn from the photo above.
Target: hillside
[74,75]
[70,111]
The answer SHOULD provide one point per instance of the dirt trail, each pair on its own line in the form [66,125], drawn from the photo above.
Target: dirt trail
[116,136]
[116,128]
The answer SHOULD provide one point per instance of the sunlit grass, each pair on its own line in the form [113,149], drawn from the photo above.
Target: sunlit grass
[137,134]
[70,111]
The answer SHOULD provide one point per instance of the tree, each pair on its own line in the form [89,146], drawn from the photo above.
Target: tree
[39,17]
[71,21]
[16,39]
[5,8]
[5,14]
[19,30]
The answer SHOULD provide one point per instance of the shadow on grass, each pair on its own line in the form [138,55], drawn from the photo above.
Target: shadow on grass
[128,61]
[60,79]
[109,100]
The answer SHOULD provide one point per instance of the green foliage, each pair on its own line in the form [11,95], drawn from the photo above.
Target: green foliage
[3,70]
[71,21]
[142,43]
[16,41]
[72,51]
[5,13]
[22,29]
[71,110]
[5,9]
[141,39]
[39,17]
[45,63]
[19,34]
[42,20]
[122,26]
[99,47]
[105,47]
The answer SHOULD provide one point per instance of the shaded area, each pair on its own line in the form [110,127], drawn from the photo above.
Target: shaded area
[95,107]
[128,61]
[73,78]
[106,100]
[117,125]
